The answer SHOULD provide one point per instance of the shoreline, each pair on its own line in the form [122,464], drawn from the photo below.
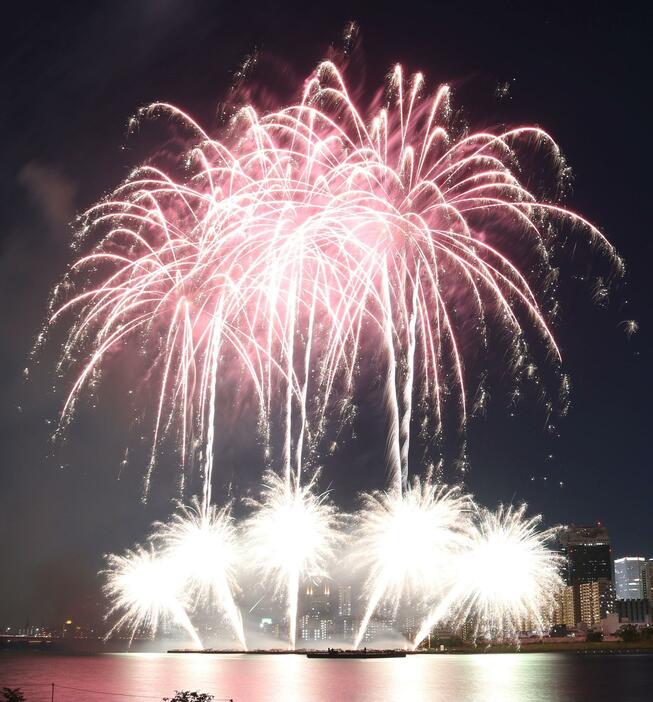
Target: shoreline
[578,648]
[572,647]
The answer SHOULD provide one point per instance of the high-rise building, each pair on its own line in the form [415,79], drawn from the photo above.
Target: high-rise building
[344,601]
[316,612]
[647,580]
[347,629]
[628,578]
[607,598]
[316,599]
[588,554]
[634,611]
[584,604]
[315,628]
[270,628]
[589,594]
[565,610]
[379,628]
[595,600]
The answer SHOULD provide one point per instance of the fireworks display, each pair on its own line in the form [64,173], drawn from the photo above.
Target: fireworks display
[291,536]
[202,543]
[146,589]
[408,543]
[276,262]
[505,580]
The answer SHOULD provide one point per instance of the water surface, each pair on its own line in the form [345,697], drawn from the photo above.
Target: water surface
[532,677]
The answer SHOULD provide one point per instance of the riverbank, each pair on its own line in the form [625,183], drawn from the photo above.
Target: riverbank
[577,647]
[92,647]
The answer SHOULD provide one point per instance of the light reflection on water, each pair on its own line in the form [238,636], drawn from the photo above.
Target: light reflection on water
[289,678]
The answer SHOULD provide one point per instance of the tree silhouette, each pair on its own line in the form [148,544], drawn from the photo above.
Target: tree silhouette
[188,696]
[628,633]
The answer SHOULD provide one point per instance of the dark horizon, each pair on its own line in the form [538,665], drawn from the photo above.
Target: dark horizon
[74,74]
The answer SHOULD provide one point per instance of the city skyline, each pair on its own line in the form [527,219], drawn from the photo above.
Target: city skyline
[330,610]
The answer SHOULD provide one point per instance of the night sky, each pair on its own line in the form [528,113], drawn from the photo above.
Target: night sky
[73,74]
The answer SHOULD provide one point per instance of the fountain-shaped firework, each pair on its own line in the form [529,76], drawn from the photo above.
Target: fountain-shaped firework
[309,241]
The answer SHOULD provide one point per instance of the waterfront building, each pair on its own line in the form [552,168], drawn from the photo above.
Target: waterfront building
[584,604]
[628,572]
[595,601]
[410,624]
[315,628]
[587,553]
[380,628]
[564,613]
[270,627]
[634,611]
[347,629]
[316,622]
[344,601]
[647,580]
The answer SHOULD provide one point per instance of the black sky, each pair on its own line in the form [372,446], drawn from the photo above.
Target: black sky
[72,75]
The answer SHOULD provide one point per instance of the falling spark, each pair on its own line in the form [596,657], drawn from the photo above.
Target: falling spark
[292,535]
[506,580]
[201,543]
[298,245]
[630,326]
[407,542]
[145,589]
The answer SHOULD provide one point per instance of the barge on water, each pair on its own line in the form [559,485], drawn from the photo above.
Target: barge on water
[328,653]
[364,653]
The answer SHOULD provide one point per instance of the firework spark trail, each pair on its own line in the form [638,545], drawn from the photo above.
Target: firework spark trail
[505,581]
[292,534]
[285,240]
[407,542]
[202,544]
[293,248]
[145,588]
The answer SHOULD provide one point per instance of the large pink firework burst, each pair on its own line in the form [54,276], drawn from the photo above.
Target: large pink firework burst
[308,241]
